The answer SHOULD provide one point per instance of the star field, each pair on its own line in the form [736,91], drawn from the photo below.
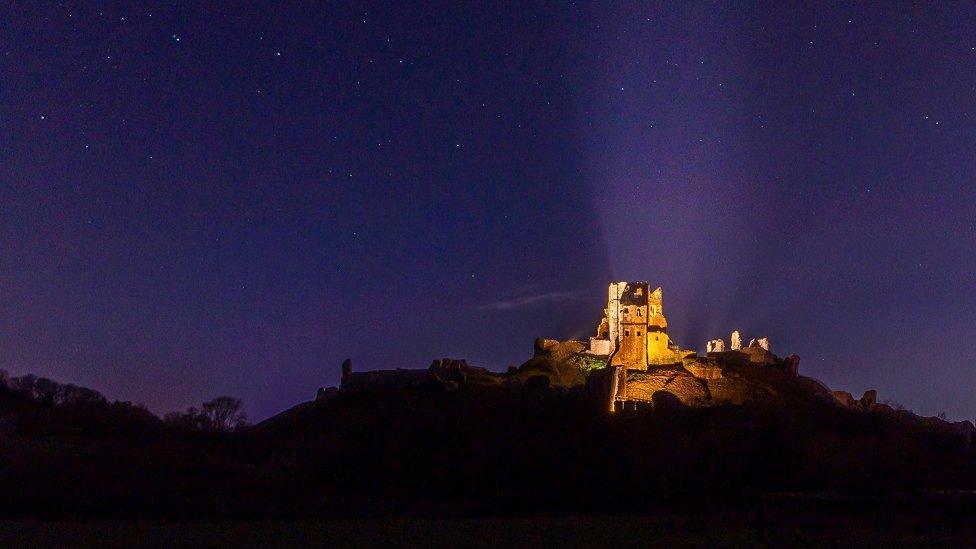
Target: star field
[201,200]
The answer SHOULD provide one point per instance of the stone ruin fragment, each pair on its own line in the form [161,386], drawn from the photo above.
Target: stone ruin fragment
[762,343]
[736,341]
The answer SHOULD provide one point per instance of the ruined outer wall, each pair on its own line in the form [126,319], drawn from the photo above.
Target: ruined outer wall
[600,347]
[659,349]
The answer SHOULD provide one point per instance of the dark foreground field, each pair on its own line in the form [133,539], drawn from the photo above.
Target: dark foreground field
[479,465]
[779,523]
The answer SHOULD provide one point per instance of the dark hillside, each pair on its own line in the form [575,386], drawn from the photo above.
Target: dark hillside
[521,449]
[510,448]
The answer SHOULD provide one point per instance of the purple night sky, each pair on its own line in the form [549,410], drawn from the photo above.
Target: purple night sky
[198,201]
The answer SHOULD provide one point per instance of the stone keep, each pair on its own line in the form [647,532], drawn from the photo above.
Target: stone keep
[633,330]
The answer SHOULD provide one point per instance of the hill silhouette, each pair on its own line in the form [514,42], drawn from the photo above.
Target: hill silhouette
[455,439]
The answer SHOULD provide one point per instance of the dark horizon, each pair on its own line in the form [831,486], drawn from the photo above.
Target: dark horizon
[198,201]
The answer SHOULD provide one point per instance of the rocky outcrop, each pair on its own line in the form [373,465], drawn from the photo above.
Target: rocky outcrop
[703,369]
[559,351]
[966,432]
[882,408]
[559,361]
[963,431]
[736,391]
[869,401]
[756,383]
[643,385]
[844,398]
[706,382]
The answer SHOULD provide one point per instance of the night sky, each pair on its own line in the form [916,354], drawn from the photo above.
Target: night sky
[200,200]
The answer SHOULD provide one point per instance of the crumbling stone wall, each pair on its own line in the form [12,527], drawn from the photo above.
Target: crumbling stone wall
[736,340]
[660,350]
[600,347]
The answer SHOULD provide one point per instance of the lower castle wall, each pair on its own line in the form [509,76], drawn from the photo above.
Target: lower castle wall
[600,347]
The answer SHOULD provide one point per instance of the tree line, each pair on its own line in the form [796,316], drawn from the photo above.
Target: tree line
[222,414]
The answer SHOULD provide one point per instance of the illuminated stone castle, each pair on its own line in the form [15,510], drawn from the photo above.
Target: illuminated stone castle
[634,332]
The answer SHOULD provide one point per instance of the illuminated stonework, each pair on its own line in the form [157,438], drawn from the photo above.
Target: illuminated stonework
[633,332]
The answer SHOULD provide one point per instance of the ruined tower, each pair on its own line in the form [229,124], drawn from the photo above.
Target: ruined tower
[632,303]
[633,330]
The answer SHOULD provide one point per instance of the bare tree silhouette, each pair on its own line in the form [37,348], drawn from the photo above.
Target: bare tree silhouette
[224,413]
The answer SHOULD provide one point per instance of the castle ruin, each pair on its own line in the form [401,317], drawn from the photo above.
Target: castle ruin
[633,332]
[644,364]
[630,362]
